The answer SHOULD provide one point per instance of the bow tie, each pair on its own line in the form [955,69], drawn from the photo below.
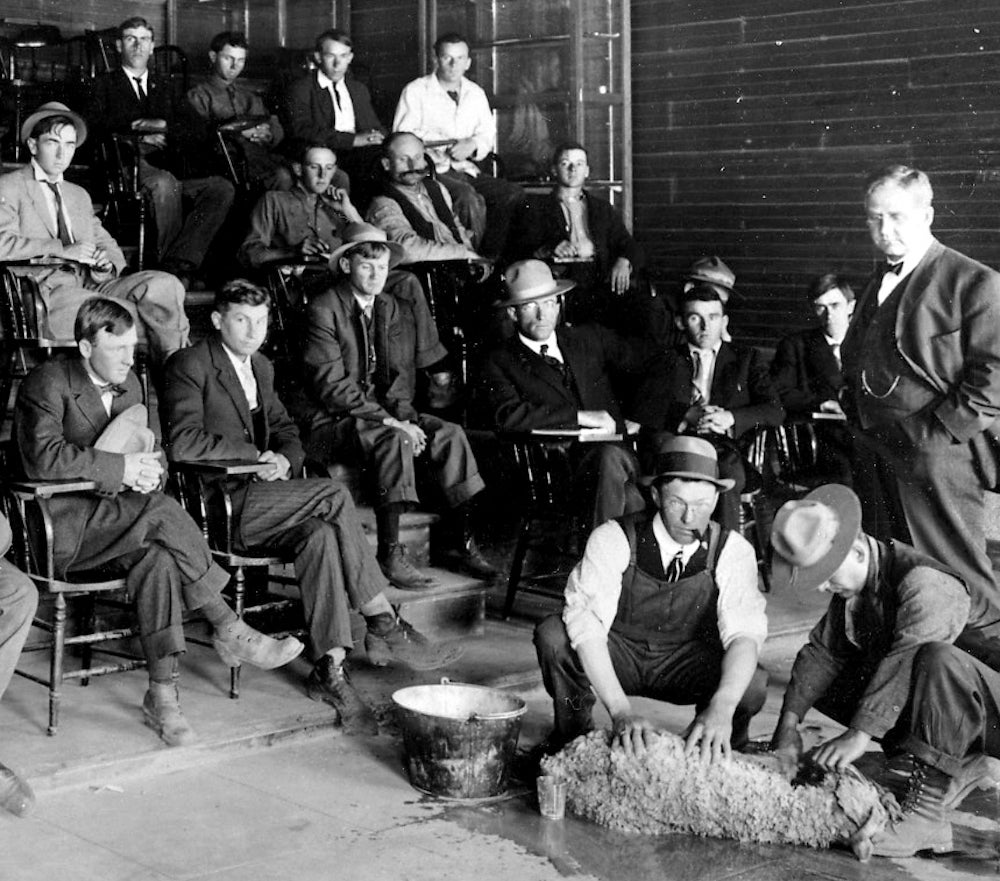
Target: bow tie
[894,268]
[116,390]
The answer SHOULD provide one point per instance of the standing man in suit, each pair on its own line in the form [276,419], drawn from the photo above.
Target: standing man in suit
[220,403]
[132,100]
[43,216]
[127,523]
[547,376]
[808,376]
[922,364]
[328,107]
[711,388]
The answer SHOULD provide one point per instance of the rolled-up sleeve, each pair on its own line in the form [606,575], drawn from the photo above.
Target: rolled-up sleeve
[741,607]
[595,585]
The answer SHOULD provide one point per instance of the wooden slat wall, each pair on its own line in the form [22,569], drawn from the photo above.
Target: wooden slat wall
[79,15]
[754,125]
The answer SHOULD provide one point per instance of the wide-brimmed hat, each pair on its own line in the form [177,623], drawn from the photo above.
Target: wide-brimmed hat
[357,234]
[692,458]
[812,536]
[55,108]
[711,270]
[128,432]
[530,280]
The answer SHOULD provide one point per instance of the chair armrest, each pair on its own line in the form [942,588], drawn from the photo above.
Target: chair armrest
[219,467]
[45,489]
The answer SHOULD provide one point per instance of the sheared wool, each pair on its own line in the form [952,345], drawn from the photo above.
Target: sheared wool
[665,791]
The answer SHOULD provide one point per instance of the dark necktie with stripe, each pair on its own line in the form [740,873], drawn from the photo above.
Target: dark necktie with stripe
[675,568]
[62,230]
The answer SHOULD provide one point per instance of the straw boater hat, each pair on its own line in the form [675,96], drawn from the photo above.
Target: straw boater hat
[693,458]
[55,108]
[812,536]
[128,432]
[530,280]
[711,270]
[357,234]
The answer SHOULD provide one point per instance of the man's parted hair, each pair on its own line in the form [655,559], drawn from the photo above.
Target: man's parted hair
[136,21]
[368,250]
[902,176]
[51,124]
[240,292]
[827,282]
[336,35]
[229,38]
[449,37]
[565,147]
[702,292]
[302,147]
[100,313]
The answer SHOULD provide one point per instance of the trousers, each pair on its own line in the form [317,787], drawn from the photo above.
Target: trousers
[18,601]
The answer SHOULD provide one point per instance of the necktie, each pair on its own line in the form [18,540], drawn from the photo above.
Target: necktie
[140,89]
[453,96]
[62,229]
[336,96]
[894,268]
[551,360]
[698,378]
[231,92]
[675,568]
[109,388]
[835,348]
[886,284]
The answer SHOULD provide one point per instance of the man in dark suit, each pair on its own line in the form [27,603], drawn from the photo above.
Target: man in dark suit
[220,403]
[330,108]
[127,524]
[712,388]
[806,371]
[548,376]
[922,365]
[132,100]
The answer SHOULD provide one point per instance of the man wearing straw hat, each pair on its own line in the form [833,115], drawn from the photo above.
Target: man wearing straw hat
[550,376]
[362,354]
[44,217]
[886,661]
[664,604]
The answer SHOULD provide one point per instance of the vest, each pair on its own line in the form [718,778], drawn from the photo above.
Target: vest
[421,226]
[668,614]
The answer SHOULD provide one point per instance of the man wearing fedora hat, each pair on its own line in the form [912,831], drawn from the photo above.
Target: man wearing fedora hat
[362,353]
[664,604]
[887,661]
[44,217]
[554,376]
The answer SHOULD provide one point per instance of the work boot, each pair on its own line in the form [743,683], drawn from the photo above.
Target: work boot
[238,643]
[16,796]
[466,557]
[328,682]
[923,825]
[161,711]
[405,645]
[401,573]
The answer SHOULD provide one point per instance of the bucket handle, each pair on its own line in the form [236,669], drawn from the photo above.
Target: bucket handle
[478,717]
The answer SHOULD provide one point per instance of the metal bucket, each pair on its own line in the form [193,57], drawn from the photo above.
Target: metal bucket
[458,739]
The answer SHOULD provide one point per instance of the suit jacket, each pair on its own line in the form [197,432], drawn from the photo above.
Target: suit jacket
[540,225]
[519,391]
[406,340]
[206,411]
[805,372]
[948,331]
[28,229]
[741,384]
[310,116]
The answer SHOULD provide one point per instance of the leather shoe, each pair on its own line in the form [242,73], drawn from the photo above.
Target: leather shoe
[161,711]
[238,643]
[469,559]
[328,682]
[402,573]
[405,645]
[16,796]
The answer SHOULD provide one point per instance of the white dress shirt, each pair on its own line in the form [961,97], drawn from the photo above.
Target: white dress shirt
[343,113]
[244,373]
[552,350]
[50,197]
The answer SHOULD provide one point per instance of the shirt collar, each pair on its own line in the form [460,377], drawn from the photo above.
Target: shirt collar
[669,547]
[363,301]
[536,345]
[325,82]
[911,260]
[134,75]
[715,349]
[41,176]
[458,87]
[239,362]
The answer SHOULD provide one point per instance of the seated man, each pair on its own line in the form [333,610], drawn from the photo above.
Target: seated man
[306,222]
[806,372]
[586,239]
[43,216]
[447,106]
[664,604]
[885,661]
[132,100]
[127,525]
[362,354]
[710,388]
[18,601]
[223,98]
[551,376]
[216,392]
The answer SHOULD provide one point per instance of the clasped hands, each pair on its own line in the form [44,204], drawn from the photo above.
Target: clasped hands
[709,419]
[88,254]
[413,431]
[143,472]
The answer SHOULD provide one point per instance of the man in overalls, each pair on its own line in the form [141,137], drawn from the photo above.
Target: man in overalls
[664,604]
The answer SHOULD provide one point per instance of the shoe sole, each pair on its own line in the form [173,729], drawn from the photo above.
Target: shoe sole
[384,658]
[153,723]
[231,659]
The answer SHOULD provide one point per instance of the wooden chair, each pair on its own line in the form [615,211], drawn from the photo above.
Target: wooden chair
[204,491]
[26,505]
[126,206]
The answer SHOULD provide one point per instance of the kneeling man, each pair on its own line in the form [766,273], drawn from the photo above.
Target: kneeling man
[664,604]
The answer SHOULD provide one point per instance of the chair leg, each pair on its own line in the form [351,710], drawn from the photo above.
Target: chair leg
[88,625]
[239,588]
[516,564]
[56,665]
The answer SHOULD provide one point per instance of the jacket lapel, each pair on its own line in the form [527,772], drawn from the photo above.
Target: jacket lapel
[87,398]
[37,199]
[536,367]
[226,375]
[723,382]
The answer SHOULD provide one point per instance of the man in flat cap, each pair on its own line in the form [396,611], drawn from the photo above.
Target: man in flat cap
[43,216]
[664,604]
[886,660]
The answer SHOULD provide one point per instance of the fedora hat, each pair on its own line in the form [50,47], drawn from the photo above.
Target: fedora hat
[812,536]
[128,432]
[693,458]
[713,271]
[357,234]
[530,280]
[55,108]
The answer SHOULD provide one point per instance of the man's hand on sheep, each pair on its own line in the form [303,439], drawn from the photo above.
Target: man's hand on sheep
[711,731]
[786,744]
[630,732]
[837,754]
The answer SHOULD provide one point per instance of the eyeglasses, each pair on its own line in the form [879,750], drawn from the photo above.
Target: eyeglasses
[679,507]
